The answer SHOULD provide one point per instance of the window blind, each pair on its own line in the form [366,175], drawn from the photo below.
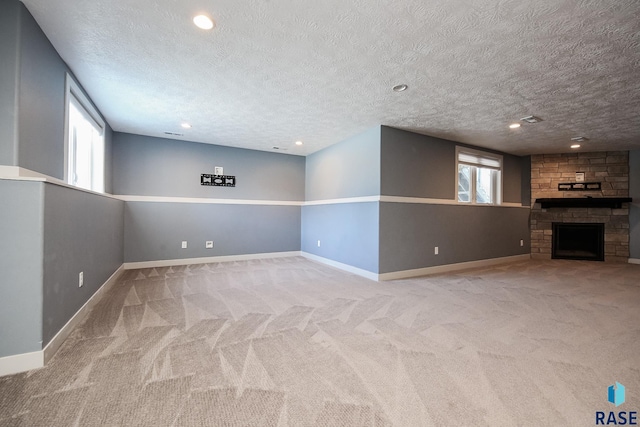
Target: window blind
[478,160]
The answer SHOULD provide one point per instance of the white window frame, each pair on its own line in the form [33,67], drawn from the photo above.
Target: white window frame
[489,160]
[73,94]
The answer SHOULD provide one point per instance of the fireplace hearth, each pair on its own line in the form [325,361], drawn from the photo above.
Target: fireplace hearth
[584,241]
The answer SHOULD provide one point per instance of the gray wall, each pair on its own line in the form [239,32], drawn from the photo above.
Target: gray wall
[41,101]
[421,166]
[49,233]
[350,168]
[348,233]
[387,237]
[32,88]
[149,166]
[21,248]
[634,212]
[88,239]
[154,231]
[525,181]
[409,233]
[144,165]
[513,168]
[9,69]
[416,165]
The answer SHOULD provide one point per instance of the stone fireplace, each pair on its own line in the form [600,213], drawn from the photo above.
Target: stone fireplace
[608,169]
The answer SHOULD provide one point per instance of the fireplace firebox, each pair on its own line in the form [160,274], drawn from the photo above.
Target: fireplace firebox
[583,241]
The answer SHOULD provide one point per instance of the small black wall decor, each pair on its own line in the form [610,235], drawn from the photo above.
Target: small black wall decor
[217,180]
[579,186]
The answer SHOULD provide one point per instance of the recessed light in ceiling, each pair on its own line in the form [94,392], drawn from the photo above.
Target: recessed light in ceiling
[298,142]
[575,146]
[203,22]
[579,139]
[514,125]
[400,88]
[186,125]
[531,119]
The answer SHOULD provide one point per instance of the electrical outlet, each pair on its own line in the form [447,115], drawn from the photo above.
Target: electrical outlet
[521,242]
[208,244]
[318,243]
[435,251]
[81,279]
[184,244]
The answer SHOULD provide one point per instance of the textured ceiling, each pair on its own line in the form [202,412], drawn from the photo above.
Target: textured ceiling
[275,71]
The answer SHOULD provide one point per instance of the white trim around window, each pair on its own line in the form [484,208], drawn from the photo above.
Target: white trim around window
[489,166]
[76,99]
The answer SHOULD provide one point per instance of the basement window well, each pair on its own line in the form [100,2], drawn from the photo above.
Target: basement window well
[479,177]
[84,132]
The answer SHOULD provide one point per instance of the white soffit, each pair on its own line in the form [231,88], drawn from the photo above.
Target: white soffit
[275,71]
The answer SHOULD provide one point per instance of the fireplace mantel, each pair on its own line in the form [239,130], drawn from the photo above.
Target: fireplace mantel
[583,202]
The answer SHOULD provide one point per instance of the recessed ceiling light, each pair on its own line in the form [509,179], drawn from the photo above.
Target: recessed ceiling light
[298,142]
[186,125]
[579,139]
[400,88]
[203,22]
[575,146]
[531,119]
[514,125]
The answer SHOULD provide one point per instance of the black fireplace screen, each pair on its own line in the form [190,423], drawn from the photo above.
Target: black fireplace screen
[578,241]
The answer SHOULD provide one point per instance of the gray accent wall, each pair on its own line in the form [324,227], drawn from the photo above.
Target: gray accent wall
[154,231]
[348,233]
[415,165]
[525,181]
[409,234]
[9,72]
[421,166]
[383,237]
[634,211]
[41,101]
[350,168]
[83,232]
[150,166]
[49,233]
[21,248]
[32,90]
[513,168]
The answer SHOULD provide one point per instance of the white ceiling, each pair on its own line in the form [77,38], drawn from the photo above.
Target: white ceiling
[275,71]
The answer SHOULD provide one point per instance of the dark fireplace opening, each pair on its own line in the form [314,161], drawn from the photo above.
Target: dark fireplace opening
[578,241]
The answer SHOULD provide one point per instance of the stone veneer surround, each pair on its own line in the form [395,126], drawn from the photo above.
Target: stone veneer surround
[610,168]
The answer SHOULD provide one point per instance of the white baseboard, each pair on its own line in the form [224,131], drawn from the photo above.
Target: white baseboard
[341,266]
[63,333]
[10,365]
[206,260]
[634,261]
[394,275]
[27,361]
[452,267]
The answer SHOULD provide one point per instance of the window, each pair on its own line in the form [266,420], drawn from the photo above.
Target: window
[85,140]
[479,177]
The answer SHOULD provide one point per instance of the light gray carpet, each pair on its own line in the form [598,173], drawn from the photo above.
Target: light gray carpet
[288,342]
